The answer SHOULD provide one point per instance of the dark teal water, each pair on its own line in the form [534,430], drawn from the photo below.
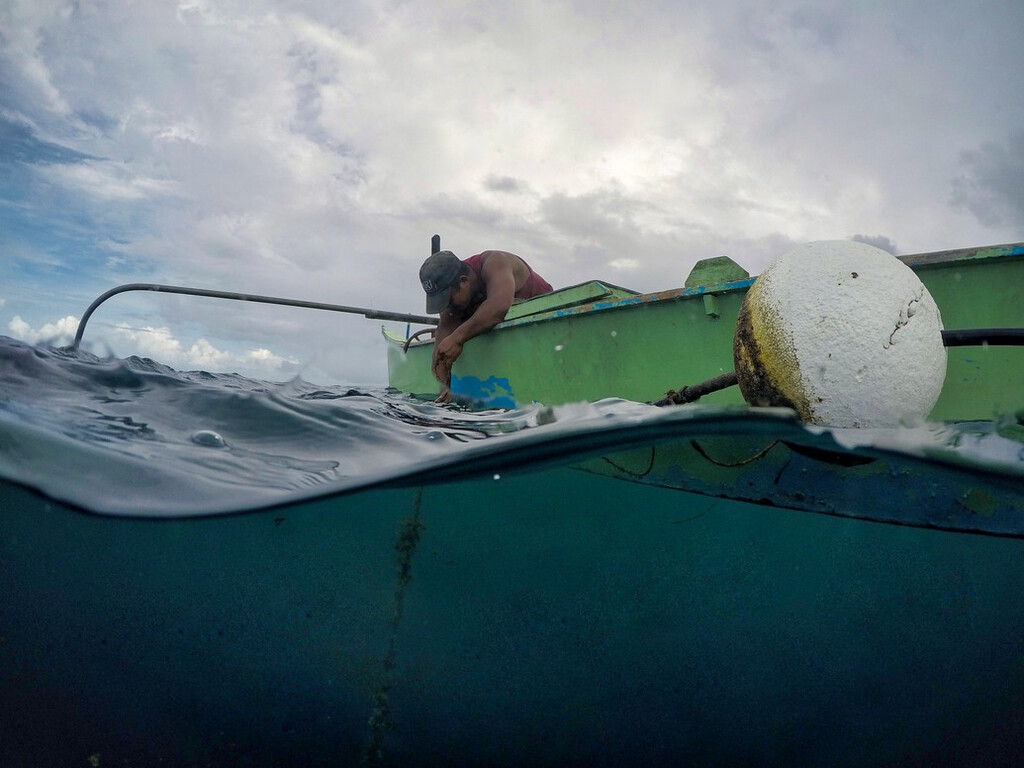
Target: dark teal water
[202,570]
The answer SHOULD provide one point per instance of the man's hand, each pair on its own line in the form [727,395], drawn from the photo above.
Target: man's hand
[446,352]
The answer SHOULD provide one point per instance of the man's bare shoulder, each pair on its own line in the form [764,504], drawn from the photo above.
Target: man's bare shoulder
[499,257]
[495,262]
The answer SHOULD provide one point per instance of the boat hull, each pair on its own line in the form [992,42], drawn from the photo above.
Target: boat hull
[639,347]
[553,617]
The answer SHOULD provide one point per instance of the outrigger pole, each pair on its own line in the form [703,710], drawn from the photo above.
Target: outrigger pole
[372,314]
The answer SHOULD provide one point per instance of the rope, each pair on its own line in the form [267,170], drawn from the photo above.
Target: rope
[689,394]
[380,717]
[630,472]
[951,338]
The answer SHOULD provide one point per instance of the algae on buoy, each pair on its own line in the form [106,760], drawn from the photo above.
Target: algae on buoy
[845,334]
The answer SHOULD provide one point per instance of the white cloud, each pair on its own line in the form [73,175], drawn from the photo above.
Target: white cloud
[108,181]
[161,345]
[25,23]
[623,265]
[183,132]
[60,333]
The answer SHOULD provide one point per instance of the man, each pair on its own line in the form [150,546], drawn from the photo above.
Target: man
[472,296]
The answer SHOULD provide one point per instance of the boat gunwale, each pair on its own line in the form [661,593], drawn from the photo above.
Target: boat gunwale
[986,253]
[557,313]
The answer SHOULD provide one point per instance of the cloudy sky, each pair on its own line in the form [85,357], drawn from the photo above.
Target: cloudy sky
[309,149]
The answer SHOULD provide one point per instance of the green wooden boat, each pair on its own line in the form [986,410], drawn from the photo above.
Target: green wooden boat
[598,340]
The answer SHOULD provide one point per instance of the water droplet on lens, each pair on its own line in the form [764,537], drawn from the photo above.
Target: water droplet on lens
[209,438]
[497,477]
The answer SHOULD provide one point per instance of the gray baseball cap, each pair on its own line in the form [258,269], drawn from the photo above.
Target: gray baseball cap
[437,275]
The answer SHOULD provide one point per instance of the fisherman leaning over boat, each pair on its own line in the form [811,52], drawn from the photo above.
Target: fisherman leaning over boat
[472,296]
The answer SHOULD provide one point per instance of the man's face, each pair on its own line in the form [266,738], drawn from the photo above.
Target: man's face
[462,293]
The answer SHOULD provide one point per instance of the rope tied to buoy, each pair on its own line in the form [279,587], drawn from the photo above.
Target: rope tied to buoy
[694,392]
[964,337]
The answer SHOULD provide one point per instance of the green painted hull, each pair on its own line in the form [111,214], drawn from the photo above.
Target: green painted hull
[595,341]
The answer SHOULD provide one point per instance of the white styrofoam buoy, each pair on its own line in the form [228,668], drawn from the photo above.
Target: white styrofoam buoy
[844,333]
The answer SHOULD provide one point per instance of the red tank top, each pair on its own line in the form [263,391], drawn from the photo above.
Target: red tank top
[535,285]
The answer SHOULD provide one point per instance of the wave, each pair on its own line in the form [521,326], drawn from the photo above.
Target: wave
[135,437]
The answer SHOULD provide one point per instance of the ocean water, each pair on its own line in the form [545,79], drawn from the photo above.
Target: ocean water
[206,570]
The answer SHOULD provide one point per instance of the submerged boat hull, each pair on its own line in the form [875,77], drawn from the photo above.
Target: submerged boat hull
[553,617]
[638,347]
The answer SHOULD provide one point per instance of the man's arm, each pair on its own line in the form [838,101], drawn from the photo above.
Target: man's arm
[443,373]
[499,277]
[446,323]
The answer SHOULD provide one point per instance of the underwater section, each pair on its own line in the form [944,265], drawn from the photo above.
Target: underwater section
[556,615]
